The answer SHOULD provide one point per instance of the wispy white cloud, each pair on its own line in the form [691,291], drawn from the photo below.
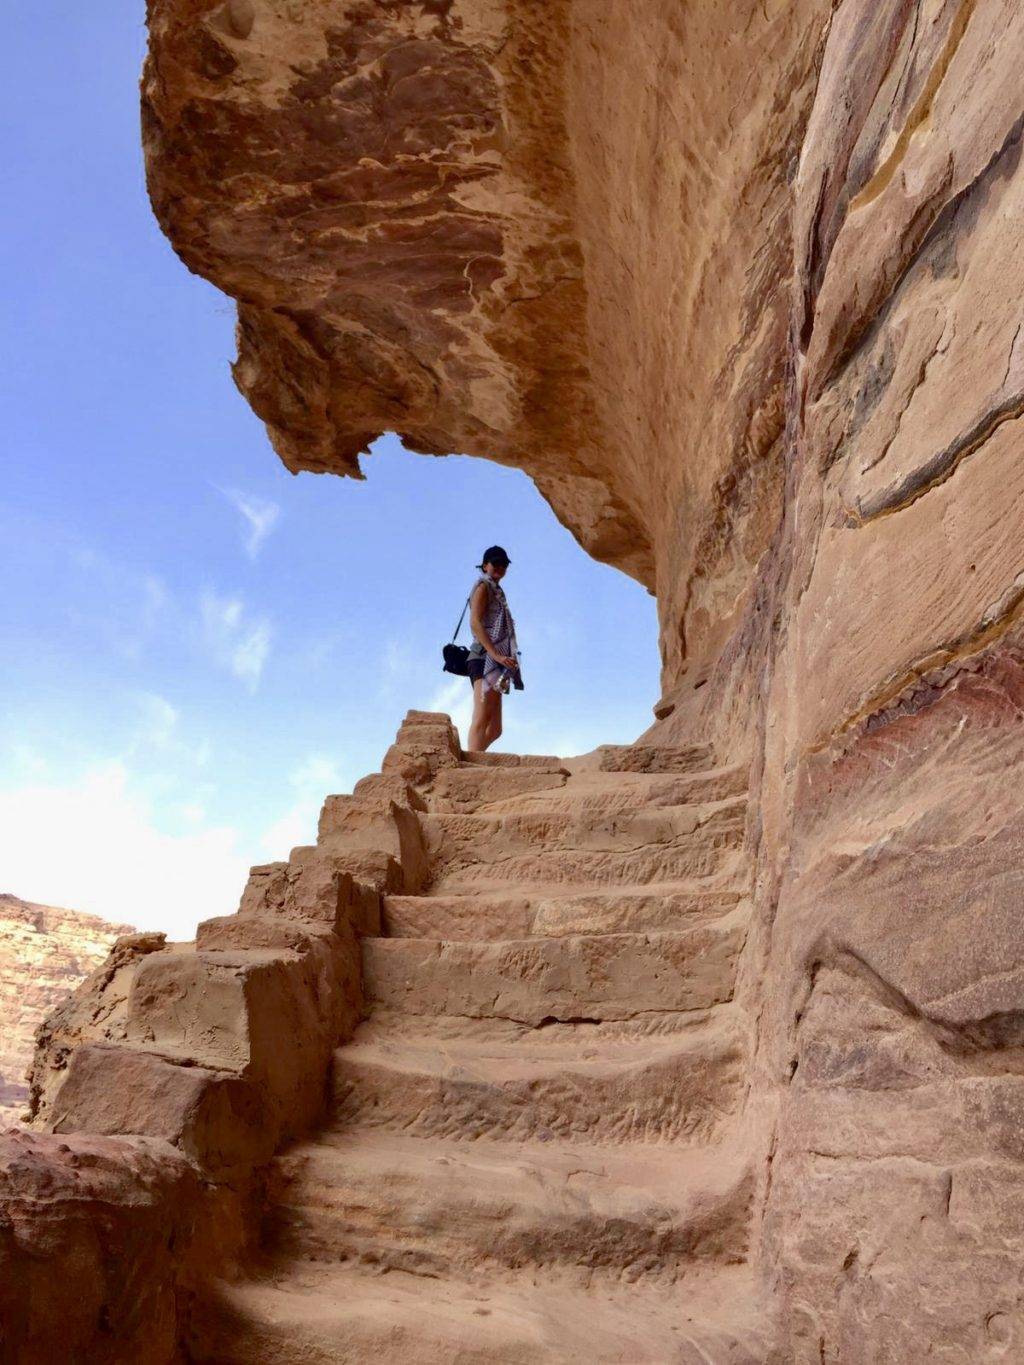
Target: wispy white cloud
[154,600]
[94,844]
[317,773]
[134,610]
[320,649]
[398,666]
[157,722]
[236,641]
[250,653]
[124,606]
[24,761]
[157,731]
[259,516]
[315,777]
[456,698]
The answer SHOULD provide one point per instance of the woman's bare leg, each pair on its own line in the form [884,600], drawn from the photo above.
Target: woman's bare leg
[494,726]
[483,718]
[477,738]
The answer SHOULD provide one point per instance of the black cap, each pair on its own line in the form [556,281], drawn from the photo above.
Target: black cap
[494,554]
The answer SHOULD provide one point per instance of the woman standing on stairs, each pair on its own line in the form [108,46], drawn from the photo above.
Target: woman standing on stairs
[493,661]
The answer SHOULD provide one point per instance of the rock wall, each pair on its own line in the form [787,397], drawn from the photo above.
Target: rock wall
[738,287]
[44,953]
[892,812]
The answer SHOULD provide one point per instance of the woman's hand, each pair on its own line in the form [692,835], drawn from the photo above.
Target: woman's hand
[504,660]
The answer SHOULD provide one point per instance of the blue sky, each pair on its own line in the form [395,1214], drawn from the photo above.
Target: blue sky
[197,646]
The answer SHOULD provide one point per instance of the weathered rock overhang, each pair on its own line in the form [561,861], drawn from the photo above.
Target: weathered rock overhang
[557,236]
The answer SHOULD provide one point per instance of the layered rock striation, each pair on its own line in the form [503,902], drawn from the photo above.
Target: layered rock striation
[44,953]
[738,287]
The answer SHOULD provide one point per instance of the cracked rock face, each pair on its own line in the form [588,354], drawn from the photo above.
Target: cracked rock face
[739,288]
[44,953]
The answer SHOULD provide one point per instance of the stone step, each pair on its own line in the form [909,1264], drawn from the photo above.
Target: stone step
[454,840]
[646,758]
[449,1208]
[596,790]
[595,976]
[584,1082]
[490,915]
[500,790]
[711,851]
[473,785]
[547,762]
[331,1315]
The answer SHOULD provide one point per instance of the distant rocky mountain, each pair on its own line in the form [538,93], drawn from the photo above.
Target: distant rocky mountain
[44,953]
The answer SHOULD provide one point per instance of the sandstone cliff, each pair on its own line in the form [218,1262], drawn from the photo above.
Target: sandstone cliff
[44,953]
[738,286]
[557,235]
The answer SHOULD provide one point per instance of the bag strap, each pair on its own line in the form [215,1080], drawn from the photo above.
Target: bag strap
[455,634]
[464,610]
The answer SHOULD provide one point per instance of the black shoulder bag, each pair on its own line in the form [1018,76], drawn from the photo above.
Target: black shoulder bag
[456,657]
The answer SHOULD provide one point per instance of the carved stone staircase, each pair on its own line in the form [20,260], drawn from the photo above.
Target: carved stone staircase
[527,1155]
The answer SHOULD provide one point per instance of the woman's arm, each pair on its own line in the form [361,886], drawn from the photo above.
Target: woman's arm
[477,604]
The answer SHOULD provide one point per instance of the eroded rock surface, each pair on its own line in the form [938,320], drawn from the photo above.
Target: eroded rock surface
[738,286]
[535,1131]
[459,221]
[166,1082]
[891,793]
[44,953]
[99,1240]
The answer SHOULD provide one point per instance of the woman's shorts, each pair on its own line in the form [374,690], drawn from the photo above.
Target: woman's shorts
[476,664]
